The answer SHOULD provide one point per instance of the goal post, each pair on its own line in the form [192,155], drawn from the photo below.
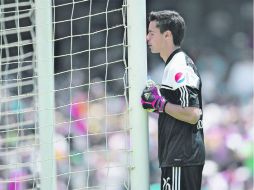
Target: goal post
[137,60]
[46,103]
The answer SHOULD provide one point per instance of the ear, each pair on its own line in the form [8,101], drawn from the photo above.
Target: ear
[167,34]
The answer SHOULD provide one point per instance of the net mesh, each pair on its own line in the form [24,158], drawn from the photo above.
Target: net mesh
[18,126]
[92,144]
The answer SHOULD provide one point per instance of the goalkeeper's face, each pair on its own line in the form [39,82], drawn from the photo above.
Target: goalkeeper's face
[155,38]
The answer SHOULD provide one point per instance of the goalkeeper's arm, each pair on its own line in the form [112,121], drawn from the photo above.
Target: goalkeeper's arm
[187,114]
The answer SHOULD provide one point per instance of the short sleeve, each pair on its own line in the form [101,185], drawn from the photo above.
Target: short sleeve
[188,97]
[181,76]
[183,84]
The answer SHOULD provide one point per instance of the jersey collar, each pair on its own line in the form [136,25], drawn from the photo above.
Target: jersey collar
[172,55]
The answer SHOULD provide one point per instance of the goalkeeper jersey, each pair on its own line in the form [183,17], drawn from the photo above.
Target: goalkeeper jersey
[180,143]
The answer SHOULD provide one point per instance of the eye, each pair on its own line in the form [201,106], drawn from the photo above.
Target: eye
[151,33]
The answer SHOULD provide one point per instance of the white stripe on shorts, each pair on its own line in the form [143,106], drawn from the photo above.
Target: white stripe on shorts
[176,178]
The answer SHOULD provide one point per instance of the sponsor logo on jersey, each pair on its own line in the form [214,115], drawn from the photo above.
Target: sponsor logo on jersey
[179,77]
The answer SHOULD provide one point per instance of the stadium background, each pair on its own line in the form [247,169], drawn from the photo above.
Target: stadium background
[219,38]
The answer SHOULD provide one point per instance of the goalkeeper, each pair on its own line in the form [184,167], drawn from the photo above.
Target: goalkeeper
[178,101]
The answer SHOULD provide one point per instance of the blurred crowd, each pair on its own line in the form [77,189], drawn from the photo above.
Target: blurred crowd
[92,140]
[221,44]
[228,120]
[229,135]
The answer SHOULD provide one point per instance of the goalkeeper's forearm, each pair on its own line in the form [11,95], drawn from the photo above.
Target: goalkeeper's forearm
[187,114]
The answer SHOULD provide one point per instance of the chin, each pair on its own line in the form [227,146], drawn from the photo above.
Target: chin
[154,51]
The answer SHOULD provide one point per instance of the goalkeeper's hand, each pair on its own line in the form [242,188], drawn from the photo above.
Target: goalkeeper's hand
[152,100]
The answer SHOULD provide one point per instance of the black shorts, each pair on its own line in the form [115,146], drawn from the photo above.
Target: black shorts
[181,178]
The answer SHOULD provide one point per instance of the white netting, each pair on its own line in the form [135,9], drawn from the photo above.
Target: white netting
[92,135]
[18,124]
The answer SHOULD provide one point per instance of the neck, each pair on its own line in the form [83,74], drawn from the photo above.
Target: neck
[168,52]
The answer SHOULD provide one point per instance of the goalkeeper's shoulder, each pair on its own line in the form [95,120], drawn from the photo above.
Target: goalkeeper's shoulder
[181,76]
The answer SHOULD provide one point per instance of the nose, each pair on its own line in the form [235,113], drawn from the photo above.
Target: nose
[147,37]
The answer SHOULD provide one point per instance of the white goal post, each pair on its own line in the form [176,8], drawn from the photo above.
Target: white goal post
[72,73]
[137,59]
[46,97]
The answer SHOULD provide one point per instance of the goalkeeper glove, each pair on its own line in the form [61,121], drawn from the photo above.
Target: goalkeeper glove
[152,100]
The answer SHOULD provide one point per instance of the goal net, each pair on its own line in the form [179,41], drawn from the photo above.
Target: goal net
[91,138]
[91,98]
[18,126]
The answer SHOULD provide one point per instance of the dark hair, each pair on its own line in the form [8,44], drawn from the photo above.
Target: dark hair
[169,20]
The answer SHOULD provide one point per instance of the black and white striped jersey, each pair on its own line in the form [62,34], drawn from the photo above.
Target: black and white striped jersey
[180,143]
